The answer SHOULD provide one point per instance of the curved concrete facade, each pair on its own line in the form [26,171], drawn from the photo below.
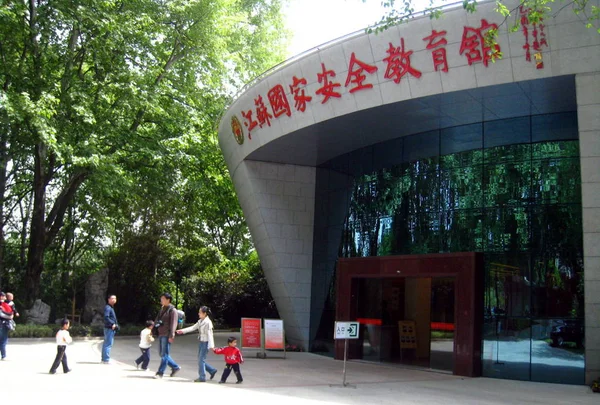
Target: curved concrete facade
[369,88]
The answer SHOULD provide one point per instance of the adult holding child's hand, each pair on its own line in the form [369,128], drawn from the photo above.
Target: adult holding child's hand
[204,326]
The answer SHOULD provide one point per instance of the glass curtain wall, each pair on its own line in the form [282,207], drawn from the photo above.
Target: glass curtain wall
[507,188]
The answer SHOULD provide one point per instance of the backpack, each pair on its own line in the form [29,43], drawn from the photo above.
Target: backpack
[180,318]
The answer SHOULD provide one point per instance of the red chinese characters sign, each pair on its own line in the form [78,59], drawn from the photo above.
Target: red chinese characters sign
[398,63]
[251,333]
[473,44]
[438,52]
[537,39]
[395,66]
[356,74]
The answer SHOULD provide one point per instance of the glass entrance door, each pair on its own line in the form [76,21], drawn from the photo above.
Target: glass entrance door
[442,324]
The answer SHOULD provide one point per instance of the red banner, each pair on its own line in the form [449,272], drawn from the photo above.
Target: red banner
[251,336]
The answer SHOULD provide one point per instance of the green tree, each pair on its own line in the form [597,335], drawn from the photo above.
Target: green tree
[105,100]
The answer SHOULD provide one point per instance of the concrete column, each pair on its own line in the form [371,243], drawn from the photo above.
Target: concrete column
[278,202]
[588,113]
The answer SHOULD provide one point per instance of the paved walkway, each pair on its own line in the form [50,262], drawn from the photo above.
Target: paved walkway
[301,378]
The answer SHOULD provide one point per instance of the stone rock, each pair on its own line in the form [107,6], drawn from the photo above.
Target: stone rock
[38,314]
[95,298]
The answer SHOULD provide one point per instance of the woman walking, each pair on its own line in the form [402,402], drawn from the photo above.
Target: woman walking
[204,326]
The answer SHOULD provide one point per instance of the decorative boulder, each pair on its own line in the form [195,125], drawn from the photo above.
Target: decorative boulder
[38,314]
[95,297]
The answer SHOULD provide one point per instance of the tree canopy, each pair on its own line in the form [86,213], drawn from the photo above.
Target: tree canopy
[108,113]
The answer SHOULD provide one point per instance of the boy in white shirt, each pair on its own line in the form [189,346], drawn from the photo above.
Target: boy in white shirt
[63,338]
[146,340]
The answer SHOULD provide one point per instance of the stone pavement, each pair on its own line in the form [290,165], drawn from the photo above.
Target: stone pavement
[301,378]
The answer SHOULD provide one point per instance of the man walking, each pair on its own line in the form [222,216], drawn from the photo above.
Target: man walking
[167,325]
[110,328]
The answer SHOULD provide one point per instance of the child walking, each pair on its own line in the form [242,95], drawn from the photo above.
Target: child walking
[233,359]
[63,338]
[146,340]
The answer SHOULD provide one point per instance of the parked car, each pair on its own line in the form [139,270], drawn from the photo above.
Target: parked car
[568,330]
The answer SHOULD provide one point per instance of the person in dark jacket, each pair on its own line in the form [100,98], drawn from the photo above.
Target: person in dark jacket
[166,322]
[110,328]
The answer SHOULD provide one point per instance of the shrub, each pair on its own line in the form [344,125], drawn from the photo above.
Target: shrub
[34,331]
[130,330]
[76,330]
[80,330]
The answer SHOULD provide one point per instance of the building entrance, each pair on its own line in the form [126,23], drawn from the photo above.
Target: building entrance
[424,311]
[407,320]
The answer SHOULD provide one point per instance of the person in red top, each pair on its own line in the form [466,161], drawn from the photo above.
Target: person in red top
[233,359]
[6,316]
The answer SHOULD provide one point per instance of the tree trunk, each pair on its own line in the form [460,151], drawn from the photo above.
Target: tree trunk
[44,230]
[25,214]
[3,165]
[37,236]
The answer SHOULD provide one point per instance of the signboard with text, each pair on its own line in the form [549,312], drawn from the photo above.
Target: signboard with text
[346,330]
[274,335]
[251,333]
[292,95]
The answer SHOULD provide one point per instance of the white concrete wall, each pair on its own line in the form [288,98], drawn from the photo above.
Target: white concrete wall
[588,106]
[279,202]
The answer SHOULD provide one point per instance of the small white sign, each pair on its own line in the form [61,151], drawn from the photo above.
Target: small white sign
[346,330]
[274,336]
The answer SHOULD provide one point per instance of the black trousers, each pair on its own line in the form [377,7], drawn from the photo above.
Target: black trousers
[61,357]
[227,371]
[144,358]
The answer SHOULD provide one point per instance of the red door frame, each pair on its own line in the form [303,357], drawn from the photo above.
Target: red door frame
[465,268]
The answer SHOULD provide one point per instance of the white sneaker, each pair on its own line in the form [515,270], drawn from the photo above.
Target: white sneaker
[137,366]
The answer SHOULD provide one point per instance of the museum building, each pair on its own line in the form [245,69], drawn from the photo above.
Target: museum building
[442,192]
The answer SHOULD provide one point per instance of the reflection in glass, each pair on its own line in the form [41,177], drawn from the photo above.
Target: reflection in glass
[554,181]
[507,281]
[462,231]
[507,347]
[485,188]
[557,353]
[507,229]
[507,184]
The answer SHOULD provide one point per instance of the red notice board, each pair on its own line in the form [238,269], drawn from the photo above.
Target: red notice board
[251,333]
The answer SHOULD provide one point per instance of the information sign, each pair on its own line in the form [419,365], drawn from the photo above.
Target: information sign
[251,333]
[346,330]
[274,337]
